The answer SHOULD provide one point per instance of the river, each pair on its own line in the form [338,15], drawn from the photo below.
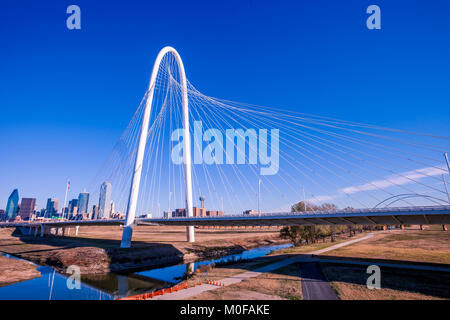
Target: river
[52,285]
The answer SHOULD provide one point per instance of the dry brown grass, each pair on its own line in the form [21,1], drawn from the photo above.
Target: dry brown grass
[284,283]
[396,284]
[430,246]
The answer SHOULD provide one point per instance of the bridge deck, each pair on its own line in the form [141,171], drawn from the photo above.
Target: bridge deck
[386,216]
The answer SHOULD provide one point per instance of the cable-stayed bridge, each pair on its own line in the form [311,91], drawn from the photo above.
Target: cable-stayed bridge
[437,215]
[182,145]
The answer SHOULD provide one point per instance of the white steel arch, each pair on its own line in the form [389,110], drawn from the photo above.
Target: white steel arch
[136,179]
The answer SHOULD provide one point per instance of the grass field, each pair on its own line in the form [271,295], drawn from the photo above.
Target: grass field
[396,284]
[431,245]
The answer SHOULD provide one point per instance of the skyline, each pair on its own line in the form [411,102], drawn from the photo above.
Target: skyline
[333,73]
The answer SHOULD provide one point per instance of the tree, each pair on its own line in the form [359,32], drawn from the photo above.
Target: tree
[308,234]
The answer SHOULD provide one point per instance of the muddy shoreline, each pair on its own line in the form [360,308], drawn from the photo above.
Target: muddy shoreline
[13,271]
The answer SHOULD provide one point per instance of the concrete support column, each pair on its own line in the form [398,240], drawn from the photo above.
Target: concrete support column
[36,230]
[56,231]
[422,227]
[190,267]
[402,226]
[76,230]
[42,231]
[30,230]
[444,227]
[63,231]
[385,227]
[68,231]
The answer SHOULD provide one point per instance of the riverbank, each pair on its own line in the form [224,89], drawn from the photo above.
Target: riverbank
[13,271]
[96,249]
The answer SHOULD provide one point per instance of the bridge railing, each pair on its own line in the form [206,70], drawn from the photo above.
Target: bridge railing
[322,212]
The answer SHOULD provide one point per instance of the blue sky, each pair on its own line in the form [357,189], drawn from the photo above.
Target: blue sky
[66,95]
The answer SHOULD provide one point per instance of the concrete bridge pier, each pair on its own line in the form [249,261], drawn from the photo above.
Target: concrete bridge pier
[36,230]
[444,227]
[76,230]
[42,231]
[190,267]
[422,227]
[56,231]
[63,231]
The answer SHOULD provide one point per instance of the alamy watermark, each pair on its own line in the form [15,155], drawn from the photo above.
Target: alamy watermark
[74,280]
[230,147]
[374,280]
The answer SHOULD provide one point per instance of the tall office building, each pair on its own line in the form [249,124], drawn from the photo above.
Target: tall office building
[52,207]
[12,205]
[27,207]
[94,212]
[104,203]
[83,202]
[73,207]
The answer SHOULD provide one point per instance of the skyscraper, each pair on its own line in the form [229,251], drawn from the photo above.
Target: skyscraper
[27,206]
[12,205]
[73,207]
[104,203]
[94,212]
[83,202]
[52,207]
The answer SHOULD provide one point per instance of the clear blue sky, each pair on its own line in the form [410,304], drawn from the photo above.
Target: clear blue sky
[66,95]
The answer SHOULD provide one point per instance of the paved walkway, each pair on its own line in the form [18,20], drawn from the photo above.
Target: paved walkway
[314,284]
[193,291]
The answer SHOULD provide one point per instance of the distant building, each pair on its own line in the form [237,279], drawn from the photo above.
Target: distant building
[83,202]
[104,202]
[27,207]
[214,213]
[199,212]
[12,206]
[94,212]
[179,213]
[41,213]
[118,215]
[73,207]
[52,207]
[250,212]
[112,209]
